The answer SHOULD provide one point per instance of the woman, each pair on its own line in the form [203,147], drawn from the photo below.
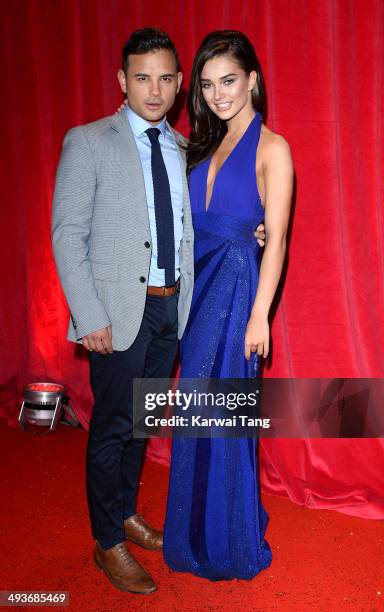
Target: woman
[240,173]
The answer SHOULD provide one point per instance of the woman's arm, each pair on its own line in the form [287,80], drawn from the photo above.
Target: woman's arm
[278,176]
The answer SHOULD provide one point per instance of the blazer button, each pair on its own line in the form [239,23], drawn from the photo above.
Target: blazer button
[142,279]
[146,244]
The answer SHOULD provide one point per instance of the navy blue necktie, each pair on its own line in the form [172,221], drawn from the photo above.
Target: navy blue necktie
[163,209]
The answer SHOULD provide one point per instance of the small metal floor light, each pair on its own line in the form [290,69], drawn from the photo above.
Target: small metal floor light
[42,404]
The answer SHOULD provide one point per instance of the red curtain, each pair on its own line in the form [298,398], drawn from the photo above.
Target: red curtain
[323,64]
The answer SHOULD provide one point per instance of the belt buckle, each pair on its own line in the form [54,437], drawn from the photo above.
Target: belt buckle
[174,288]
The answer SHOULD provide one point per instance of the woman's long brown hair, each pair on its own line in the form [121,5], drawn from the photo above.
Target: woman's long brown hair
[207,130]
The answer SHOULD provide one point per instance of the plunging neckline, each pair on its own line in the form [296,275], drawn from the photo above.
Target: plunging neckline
[222,165]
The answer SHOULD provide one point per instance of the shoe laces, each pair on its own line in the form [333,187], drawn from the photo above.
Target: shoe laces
[126,556]
[143,523]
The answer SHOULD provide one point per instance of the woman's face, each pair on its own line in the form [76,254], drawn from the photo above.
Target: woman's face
[226,87]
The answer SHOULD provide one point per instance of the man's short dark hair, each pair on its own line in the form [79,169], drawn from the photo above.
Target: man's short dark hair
[146,40]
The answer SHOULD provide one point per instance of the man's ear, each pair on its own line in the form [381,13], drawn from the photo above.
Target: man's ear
[179,81]
[122,81]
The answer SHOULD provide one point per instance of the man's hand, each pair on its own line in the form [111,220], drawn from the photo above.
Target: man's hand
[260,234]
[99,341]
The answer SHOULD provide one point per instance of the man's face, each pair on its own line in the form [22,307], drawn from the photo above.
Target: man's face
[151,83]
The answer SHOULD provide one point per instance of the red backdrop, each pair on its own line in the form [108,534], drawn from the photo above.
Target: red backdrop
[323,63]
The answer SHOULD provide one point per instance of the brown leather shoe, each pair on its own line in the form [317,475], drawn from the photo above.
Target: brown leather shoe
[123,570]
[137,530]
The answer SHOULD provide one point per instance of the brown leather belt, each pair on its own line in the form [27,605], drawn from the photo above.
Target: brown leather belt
[163,291]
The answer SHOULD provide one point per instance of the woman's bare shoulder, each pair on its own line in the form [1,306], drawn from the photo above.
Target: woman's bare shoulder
[272,139]
[273,145]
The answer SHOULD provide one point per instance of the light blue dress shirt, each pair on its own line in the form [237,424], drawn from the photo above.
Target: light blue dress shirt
[171,157]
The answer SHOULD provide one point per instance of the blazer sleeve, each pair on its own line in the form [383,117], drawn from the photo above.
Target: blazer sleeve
[73,202]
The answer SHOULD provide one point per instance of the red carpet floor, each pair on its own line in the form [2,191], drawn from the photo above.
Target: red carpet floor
[323,560]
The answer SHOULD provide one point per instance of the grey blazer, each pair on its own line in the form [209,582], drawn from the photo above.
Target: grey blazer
[99,229]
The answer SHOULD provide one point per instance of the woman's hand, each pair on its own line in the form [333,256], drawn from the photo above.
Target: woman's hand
[257,336]
[122,106]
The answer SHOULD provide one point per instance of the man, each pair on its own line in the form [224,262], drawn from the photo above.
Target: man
[123,244]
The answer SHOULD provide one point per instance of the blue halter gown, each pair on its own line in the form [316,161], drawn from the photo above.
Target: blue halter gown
[215,521]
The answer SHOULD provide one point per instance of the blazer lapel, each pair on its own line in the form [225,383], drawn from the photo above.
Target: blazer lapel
[133,172]
[187,222]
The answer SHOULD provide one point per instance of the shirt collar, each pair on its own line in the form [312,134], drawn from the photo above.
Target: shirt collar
[139,125]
